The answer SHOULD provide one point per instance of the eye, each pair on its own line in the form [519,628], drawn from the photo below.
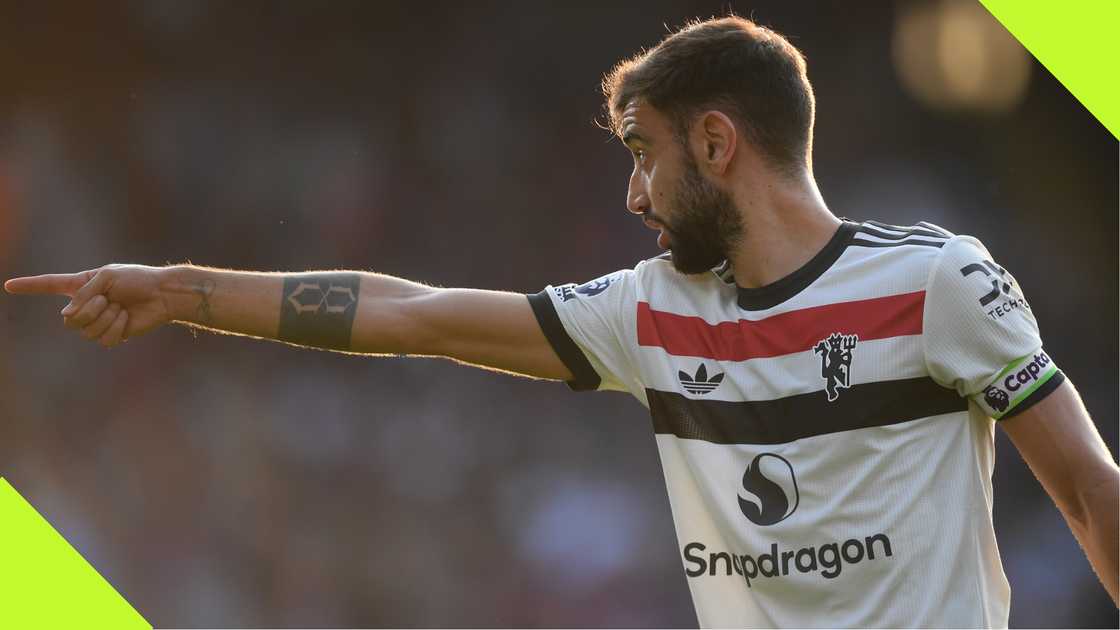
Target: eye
[639,155]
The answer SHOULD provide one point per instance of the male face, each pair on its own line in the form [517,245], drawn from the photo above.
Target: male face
[698,220]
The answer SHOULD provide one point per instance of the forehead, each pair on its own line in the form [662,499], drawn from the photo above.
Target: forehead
[641,118]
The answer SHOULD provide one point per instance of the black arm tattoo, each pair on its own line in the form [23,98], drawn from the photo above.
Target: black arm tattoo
[318,309]
[203,291]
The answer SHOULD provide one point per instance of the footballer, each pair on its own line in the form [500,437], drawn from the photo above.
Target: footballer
[824,392]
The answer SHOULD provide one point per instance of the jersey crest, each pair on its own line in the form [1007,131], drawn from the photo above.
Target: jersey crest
[836,362]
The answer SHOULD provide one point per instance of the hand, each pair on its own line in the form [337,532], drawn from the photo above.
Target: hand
[110,304]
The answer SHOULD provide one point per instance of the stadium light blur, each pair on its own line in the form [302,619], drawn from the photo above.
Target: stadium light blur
[954,55]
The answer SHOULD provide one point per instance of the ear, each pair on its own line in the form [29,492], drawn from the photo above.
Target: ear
[718,140]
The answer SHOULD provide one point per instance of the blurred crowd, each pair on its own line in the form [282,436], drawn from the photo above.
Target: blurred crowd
[222,481]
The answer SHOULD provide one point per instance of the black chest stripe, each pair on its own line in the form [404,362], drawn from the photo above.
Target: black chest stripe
[801,416]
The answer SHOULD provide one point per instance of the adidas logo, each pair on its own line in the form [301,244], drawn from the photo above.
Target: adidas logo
[699,383]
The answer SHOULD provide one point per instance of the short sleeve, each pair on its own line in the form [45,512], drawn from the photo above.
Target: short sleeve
[979,333]
[590,326]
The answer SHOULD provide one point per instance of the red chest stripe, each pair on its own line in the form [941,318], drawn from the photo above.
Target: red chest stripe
[785,333]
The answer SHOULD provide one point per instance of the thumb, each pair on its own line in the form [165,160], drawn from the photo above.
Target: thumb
[51,283]
[98,284]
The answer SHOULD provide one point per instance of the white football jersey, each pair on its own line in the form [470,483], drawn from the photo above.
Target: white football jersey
[827,440]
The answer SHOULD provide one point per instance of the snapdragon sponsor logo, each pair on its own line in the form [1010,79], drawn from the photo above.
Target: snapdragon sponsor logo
[828,559]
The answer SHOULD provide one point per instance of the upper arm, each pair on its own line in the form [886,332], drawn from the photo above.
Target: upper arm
[1060,443]
[579,334]
[493,329]
[981,337]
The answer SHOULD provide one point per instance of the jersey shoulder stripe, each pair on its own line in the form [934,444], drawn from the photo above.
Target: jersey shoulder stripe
[878,234]
[860,242]
[896,235]
[922,228]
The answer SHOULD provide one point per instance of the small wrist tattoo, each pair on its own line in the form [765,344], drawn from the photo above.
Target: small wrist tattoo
[203,290]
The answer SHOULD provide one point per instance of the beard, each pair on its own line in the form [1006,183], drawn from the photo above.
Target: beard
[706,225]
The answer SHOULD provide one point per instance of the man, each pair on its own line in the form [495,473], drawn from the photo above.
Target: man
[823,391]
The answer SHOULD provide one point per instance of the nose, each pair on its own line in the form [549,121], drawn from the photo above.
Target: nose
[637,199]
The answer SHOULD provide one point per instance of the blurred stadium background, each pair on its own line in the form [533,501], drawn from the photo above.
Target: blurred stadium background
[226,482]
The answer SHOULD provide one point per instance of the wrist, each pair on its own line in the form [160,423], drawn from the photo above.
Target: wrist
[182,289]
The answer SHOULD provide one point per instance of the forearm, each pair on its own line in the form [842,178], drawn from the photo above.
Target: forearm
[1094,523]
[337,310]
[1063,448]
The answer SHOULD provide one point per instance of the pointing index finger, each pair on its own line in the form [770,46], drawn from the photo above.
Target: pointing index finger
[51,283]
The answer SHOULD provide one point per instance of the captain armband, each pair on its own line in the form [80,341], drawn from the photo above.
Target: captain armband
[1027,378]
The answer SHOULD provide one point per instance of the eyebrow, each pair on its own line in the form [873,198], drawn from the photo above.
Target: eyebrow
[633,136]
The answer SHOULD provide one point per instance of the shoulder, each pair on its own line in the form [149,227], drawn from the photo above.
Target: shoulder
[944,257]
[923,240]
[922,236]
[889,257]
[967,288]
[964,260]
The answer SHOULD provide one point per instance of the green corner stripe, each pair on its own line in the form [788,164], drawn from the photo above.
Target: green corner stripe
[45,583]
[1077,43]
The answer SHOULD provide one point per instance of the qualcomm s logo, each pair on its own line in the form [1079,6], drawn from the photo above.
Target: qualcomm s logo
[771,488]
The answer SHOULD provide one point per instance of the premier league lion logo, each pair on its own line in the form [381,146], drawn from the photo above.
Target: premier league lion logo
[996,398]
[836,362]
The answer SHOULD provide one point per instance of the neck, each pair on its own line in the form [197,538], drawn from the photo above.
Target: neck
[785,224]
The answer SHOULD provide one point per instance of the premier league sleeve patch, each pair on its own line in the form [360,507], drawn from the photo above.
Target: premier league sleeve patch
[590,289]
[1026,376]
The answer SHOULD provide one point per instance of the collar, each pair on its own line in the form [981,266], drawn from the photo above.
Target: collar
[779,291]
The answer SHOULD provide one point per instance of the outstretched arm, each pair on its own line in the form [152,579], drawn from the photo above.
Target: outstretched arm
[1061,445]
[345,311]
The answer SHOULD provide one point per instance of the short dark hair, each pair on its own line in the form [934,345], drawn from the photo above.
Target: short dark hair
[748,71]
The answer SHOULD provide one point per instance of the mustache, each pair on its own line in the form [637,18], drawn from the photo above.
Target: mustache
[652,216]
